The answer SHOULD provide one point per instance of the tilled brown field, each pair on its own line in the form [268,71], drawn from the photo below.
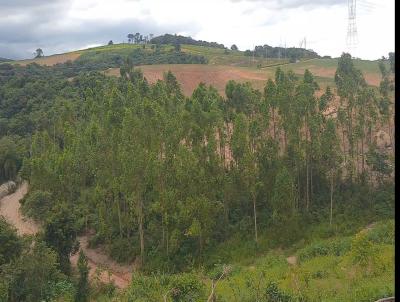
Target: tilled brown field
[191,75]
[52,60]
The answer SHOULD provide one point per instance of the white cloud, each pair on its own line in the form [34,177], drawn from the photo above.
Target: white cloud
[57,25]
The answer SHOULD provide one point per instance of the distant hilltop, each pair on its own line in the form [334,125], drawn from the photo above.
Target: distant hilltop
[265,51]
[4,60]
[177,39]
[291,53]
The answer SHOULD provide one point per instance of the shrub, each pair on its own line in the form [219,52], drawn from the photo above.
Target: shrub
[37,204]
[337,247]
[186,287]
[11,245]
[274,294]
[382,233]
[363,253]
[122,250]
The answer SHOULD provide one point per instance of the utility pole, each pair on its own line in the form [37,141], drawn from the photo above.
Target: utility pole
[352,39]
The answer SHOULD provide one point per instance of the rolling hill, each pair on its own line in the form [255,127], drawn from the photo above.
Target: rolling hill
[222,65]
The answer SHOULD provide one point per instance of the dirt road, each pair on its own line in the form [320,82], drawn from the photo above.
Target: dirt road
[9,208]
[99,263]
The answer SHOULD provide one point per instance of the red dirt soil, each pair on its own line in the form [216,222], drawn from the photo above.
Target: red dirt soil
[52,60]
[191,75]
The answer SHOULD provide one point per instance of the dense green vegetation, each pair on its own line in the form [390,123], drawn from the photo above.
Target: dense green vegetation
[178,39]
[29,270]
[293,53]
[99,60]
[197,188]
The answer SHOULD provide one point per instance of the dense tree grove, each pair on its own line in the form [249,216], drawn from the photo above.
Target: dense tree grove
[293,53]
[178,39]
[29,270]
[164,178]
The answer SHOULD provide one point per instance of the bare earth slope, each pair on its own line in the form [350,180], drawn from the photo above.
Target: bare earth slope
[191,75]
[108,270]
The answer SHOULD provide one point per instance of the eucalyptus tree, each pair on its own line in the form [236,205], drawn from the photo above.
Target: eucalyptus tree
[331,156]
[349,82]
[386,89]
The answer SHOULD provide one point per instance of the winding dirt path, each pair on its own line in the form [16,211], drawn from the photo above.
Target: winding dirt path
[292,260]
[100,265]
[9,208]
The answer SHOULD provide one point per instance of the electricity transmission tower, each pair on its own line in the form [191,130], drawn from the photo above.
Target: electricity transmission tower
[352,39]
[303,42]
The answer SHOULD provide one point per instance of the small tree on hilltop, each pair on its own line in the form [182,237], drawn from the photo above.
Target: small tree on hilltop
[38,53]
[234,47]
[130,38]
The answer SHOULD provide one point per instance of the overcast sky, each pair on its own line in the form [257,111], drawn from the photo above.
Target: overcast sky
[58,26]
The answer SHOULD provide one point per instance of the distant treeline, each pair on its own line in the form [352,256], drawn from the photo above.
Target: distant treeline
[98,60]
[177,39]
[105,60]
[4,59]
[292,53]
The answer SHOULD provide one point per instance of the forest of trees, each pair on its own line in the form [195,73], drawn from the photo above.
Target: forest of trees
[292,53]
[165,178]
[178,39]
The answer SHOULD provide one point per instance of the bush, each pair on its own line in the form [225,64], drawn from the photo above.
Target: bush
[11,245]
[37,204]
[122,250]
[363,253]
[274,294]
[186,287]
[36,276]
[336,247]
[382,233]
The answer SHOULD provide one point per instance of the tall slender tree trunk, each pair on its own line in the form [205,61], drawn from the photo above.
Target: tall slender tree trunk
[357,160]
[255,217]
[307,185]
[119,218]
[273,122]
[311,180]
[285,140]
[362,155]
[167,240]
[298,186]
[390,134]
[163,231]
[344,144]
[307,165]
[330,220]
[141,230]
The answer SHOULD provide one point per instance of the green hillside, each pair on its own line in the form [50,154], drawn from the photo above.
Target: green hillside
[113,56]
[227,179]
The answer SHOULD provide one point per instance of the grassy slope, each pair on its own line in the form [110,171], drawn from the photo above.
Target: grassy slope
[325,270]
